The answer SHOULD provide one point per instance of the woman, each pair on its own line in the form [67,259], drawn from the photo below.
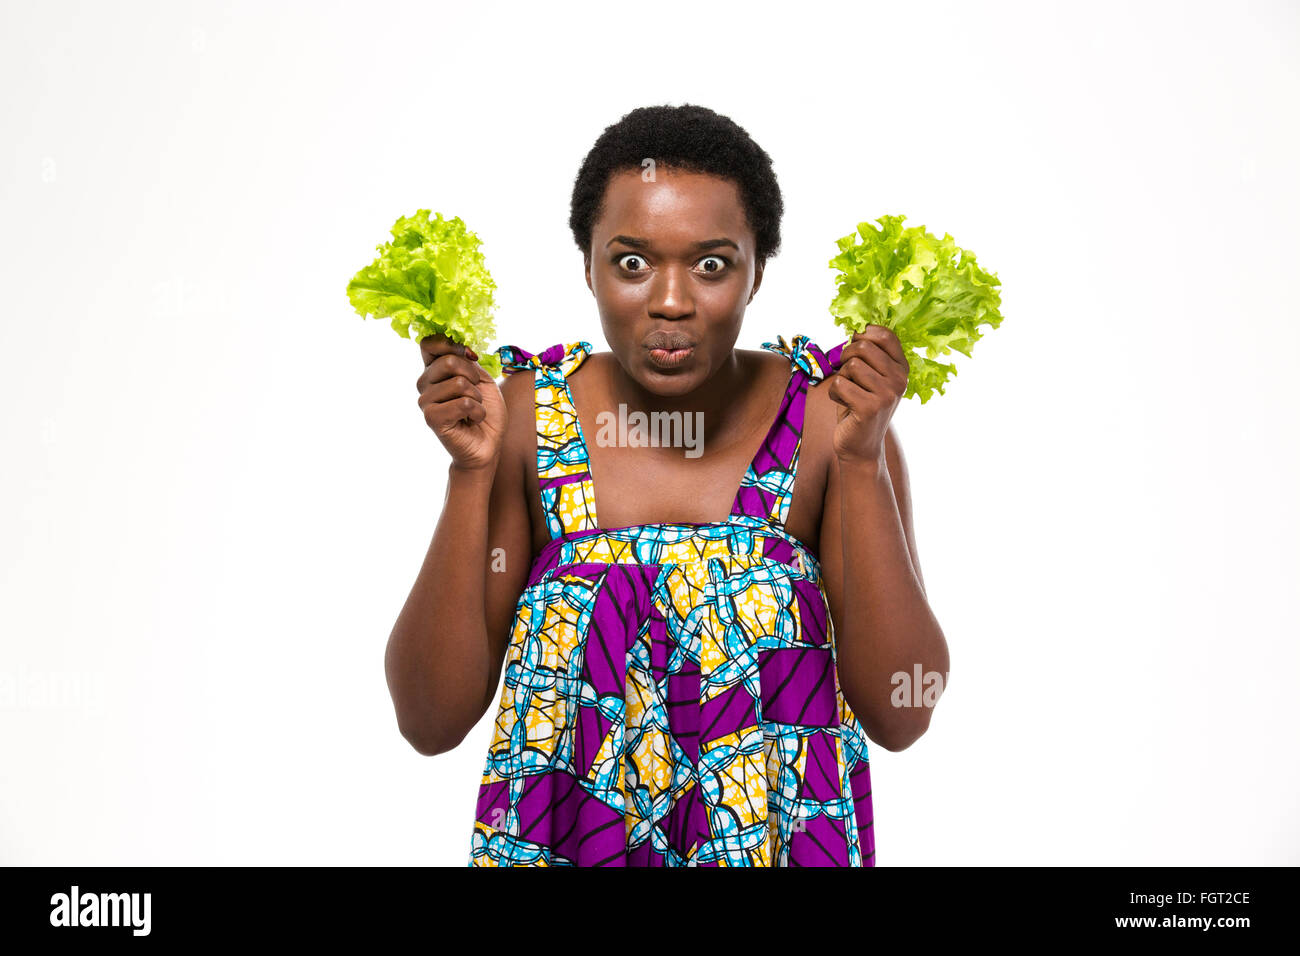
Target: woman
[691,678]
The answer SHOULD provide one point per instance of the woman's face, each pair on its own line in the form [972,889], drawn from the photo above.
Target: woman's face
[672,268]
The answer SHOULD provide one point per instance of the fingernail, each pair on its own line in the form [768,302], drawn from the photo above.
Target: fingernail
[471,353]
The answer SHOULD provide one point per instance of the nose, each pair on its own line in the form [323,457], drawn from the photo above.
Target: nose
[670,294]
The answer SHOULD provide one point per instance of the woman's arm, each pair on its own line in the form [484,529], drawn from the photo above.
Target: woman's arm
[445,652]
[882,619]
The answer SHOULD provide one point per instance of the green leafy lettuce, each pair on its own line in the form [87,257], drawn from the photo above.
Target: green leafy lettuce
[932,294]
[431,279]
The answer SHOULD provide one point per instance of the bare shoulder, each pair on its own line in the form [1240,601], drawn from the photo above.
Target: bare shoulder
[516,479]
[521,429]
[517,390]
[820,416]
[517,387]
[759,356]
[777,367]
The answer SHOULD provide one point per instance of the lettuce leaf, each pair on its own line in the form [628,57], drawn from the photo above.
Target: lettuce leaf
[430,279]
[931,293]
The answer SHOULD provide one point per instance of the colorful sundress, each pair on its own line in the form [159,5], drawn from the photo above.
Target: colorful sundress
[670,694]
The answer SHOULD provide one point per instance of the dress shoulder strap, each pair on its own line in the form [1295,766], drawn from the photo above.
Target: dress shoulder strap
[768,484]
[563,464]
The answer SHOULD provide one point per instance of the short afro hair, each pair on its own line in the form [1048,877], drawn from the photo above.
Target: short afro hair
[687,138]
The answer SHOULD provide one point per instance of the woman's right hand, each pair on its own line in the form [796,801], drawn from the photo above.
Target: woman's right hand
[462,403]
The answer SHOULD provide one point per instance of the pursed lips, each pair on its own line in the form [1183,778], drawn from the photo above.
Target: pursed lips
[669,342]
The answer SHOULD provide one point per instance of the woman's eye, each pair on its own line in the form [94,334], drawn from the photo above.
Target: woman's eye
[633,262]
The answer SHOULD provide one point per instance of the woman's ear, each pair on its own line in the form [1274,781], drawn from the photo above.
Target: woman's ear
[758,280]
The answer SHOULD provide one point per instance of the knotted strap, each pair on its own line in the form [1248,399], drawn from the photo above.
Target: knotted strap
[805,353]
[563,465]
[558,356]
[768,484]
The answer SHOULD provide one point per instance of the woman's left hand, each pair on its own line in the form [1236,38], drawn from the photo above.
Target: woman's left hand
[869,383]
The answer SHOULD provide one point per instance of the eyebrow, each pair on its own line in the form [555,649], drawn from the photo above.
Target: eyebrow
[636,242]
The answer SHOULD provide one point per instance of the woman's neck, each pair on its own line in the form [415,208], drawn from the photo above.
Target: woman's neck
[725,400]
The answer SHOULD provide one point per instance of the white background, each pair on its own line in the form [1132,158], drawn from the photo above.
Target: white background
[217,485]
